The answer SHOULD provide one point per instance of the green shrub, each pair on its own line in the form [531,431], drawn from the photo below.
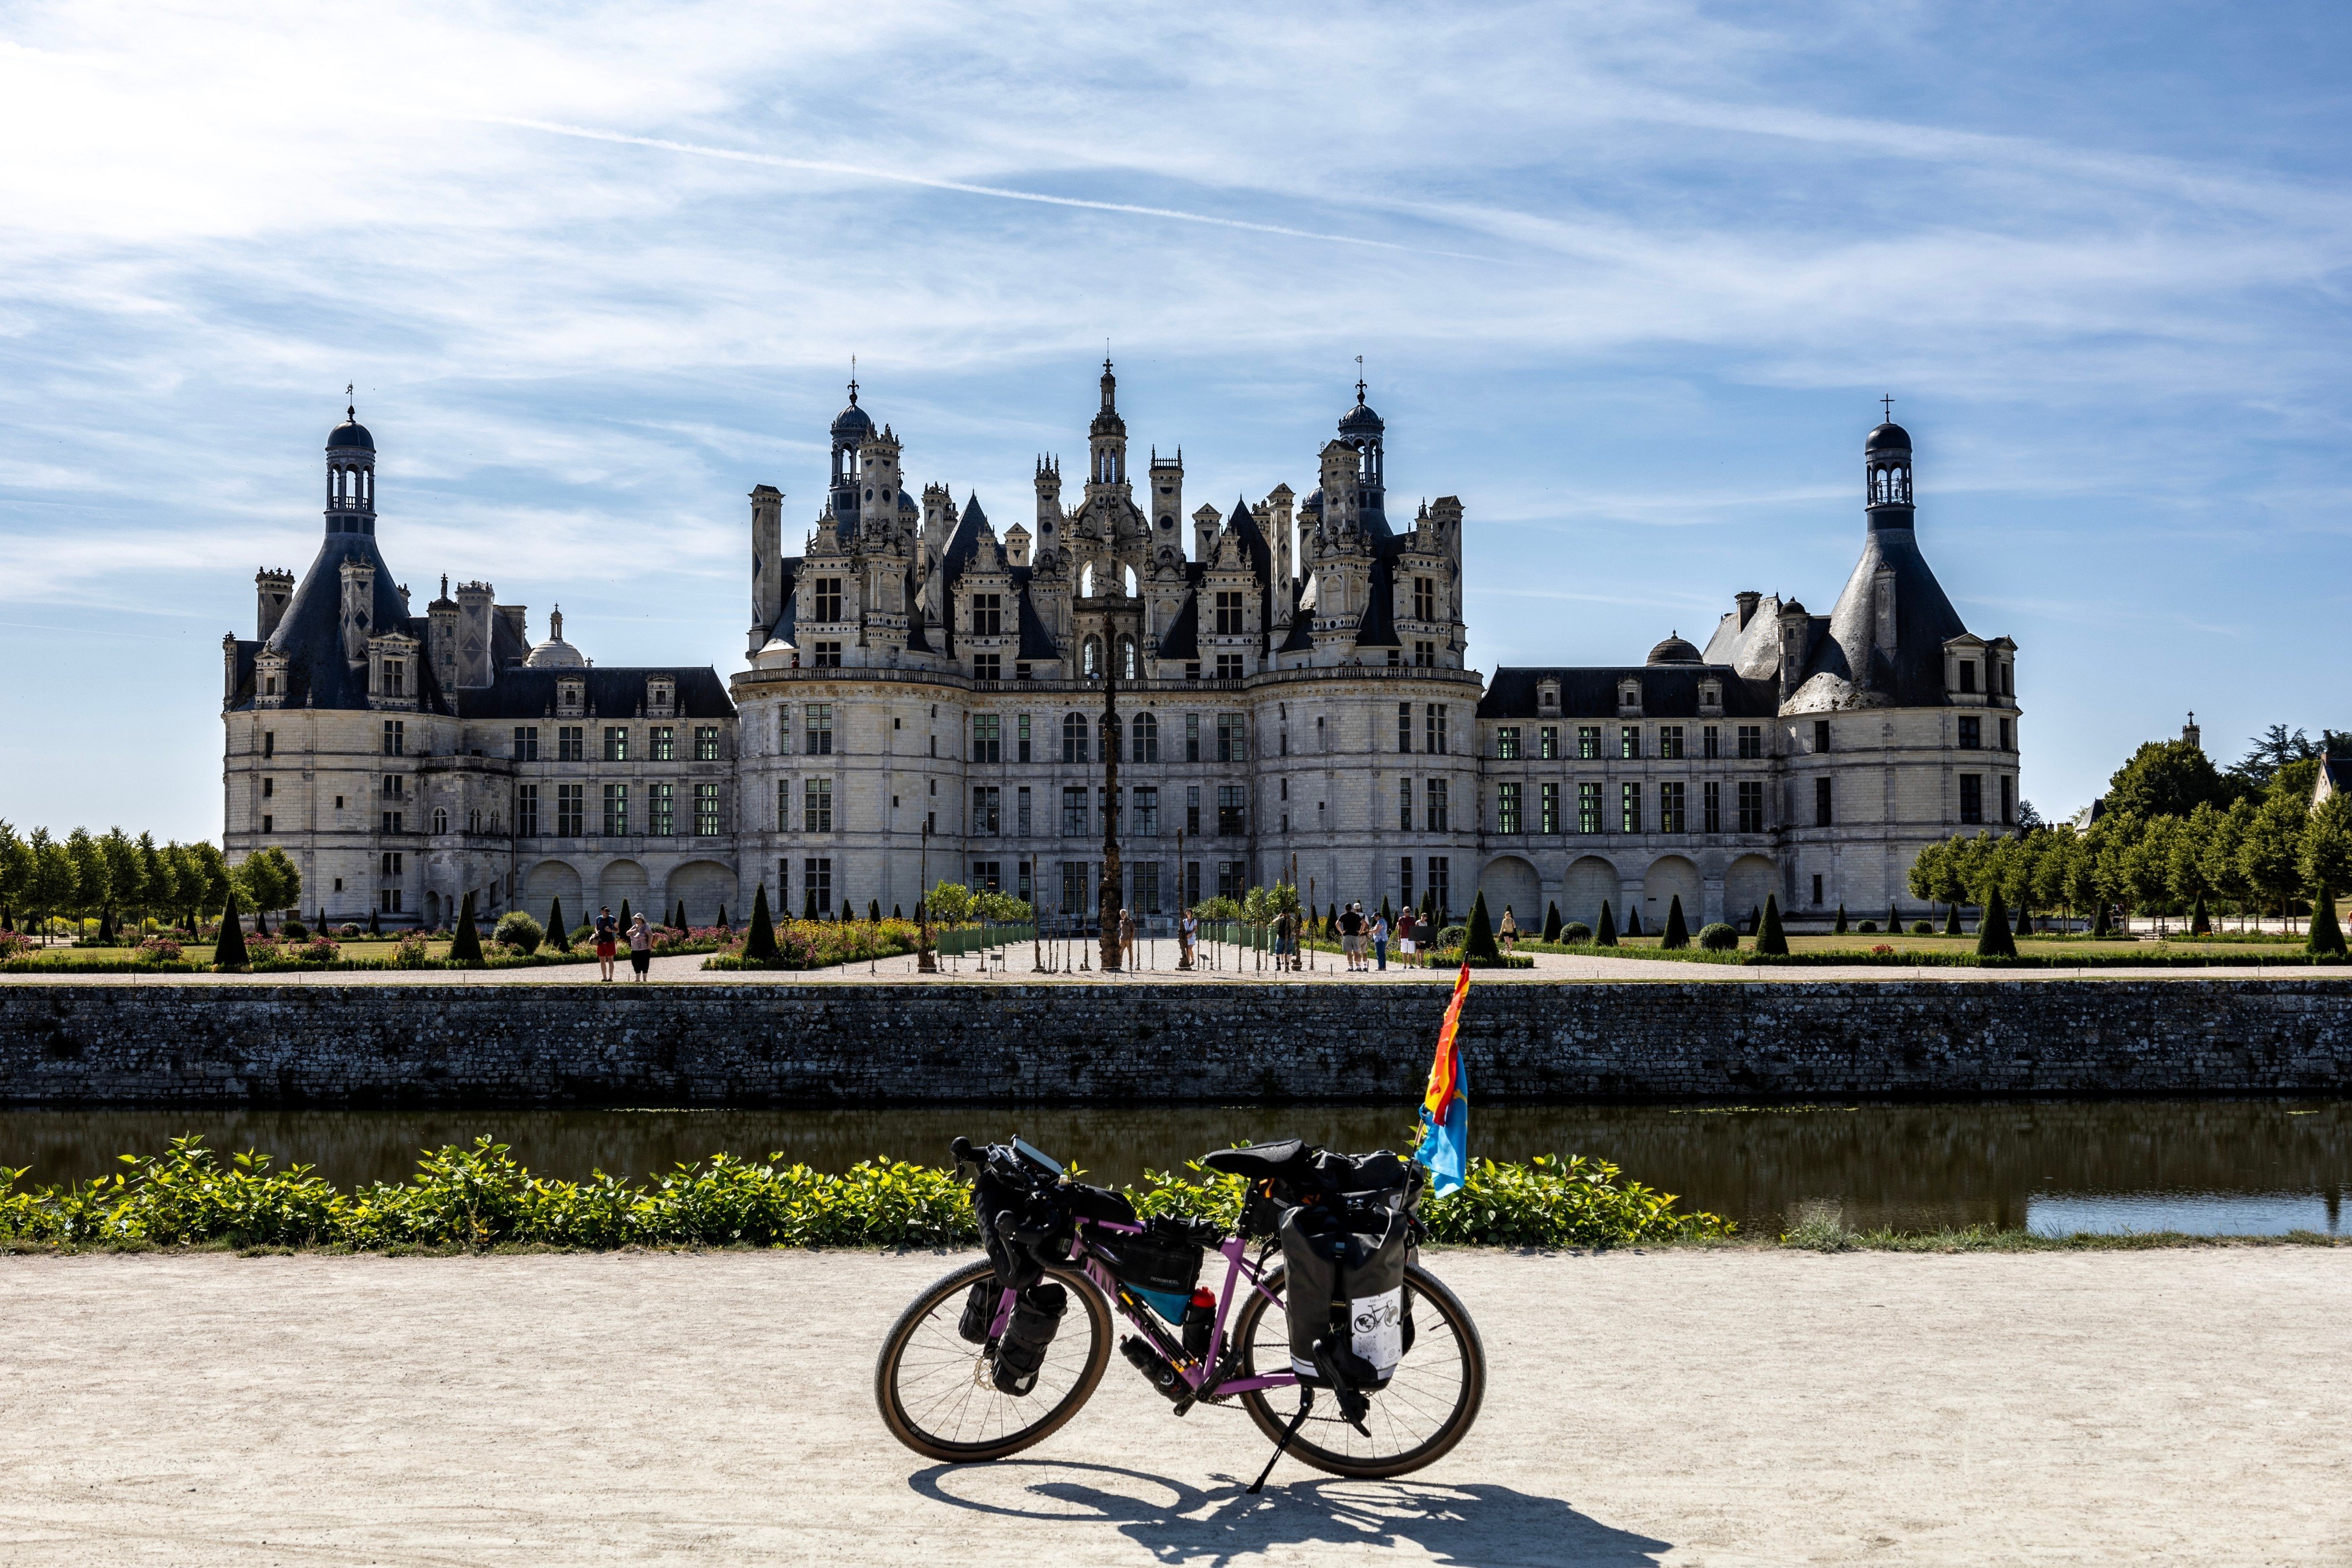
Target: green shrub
[1677,933]
[1719,937]
[481,1196]
[1481,934]
[1995,939]
[294,930]
[519,930]
[465,946]
[1867,928]
[1841,920]
[1575,932]
[1921,928]
[1551,925]
[1607,935]
[1772,939]
[1452,937]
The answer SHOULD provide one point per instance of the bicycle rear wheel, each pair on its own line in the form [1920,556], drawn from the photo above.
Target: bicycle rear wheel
[1426,1409]
[933,1386]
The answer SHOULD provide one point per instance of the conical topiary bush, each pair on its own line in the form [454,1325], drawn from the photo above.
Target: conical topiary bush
[1994,938]
[1677,933]
[375,926]
[678,921]
[1481,948]
[1606,934]
[1633,921]
[1952,920]
[759,943]
[2099,923]
[1772,938]
[2200,922]
[2326,937]
[466,942]
[559,935]
[1894,919]
[1840,920]
[2024,921]
[625,913]
[228,952]
[721,921]
[874,911]
[1552,921]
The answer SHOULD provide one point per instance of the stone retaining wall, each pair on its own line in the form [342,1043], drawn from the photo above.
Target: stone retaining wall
[1141,1043]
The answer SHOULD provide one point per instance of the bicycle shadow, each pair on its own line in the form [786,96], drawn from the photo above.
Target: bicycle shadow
[1475,1524]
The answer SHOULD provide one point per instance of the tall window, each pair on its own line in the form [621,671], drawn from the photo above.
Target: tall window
[705,811]
[1192,812]
[1821,734]
[1146,898]
[1404,805]
[987,738]
[1711,742]
[1971,733]
[1232,810]
[1147,737]
[1629,741]
[1405,727]
[395,676]
[1670,742]
[1424,654]
[396,737]
[2007,744]
[1229,615]
[988,667]
[1629,809]
[783,806]
[2007,800]
[829,599]
[816,733]
[1587,808]
[1074,811]
[1587,743]
[1425,598]
[705,743]
[1711,794]
[1074,887]
[1021,732]
[816,883]
[571,810]
[1074,737]
[1434,794]
[1671,804]
[526,744]
[1232,878]
[570,743]
[1507,807]
[1441,883]
[665,743]
[1968,675]
[617,810]
[616,744]
[1751,742]
[1192,737]
[984,798]
[987,615]
[1404,879]
[526,811]
[1820,803]
[1506,742]
[1147,811]
[661,815]
[1433,736]
[1550,808]
[1751,805]
[1549,749]
[1233,738]
[784,888]
[1971,797]
[816,805]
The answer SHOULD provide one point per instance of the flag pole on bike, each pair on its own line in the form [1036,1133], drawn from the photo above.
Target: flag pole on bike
[1444,1148]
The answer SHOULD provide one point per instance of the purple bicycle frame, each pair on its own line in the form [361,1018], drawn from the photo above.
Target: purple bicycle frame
[1234,1250]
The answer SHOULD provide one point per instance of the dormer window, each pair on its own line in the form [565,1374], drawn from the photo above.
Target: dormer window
[1628,697]
[1548,696]
[570,696]
[661,695]
[1968,675]
[1710,694]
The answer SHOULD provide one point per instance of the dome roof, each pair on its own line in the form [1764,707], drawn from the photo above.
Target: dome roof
[1360,420]
[1675,651]
[555,654]
[852,421]
[351,434]
[1888,437]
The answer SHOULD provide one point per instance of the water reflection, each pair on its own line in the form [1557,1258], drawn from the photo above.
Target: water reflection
[2254,1166]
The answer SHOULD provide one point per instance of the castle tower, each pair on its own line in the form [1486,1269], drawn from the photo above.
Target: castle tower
[1365,432]
[851,427]
[767,563]
[1167,500]
[351,476]
[1886,476]
[1106,442]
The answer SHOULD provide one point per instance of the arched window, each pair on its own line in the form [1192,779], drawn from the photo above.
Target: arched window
[440,819]
[1086,583]
[1093,655]
[1127,668]
[1131,581]
[1147,737]
[1074,737]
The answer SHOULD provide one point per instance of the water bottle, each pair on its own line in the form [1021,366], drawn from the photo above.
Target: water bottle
[1199,1317]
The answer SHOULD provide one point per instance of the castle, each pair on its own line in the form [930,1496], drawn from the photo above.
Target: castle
[922,699]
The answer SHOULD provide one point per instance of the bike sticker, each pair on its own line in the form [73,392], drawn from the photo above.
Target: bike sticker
[1376,1326]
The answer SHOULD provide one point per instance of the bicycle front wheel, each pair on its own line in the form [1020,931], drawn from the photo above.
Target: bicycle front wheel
[1424,1410]
[934,1388]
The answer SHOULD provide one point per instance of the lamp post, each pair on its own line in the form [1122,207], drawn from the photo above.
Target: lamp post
[926,962]
[1107,898]
[1037,917]
[1184,953]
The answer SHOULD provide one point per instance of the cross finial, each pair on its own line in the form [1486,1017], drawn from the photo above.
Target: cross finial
[350,409]
[1889,403]
[852,381]
[1359,380]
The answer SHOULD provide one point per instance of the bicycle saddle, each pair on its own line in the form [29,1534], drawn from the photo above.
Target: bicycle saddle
[1285,1159]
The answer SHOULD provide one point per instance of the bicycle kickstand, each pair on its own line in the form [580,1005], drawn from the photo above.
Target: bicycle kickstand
[1306,1403]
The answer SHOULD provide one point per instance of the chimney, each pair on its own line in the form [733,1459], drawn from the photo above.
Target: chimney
[1794,625]
[1204,533]
[474,610]
[1748,600]
[271,590]
[358,612]
[767,560]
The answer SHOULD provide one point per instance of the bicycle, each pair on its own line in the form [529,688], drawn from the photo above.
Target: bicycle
[941,1379]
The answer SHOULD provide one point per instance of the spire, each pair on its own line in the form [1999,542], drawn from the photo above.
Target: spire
[852,381]
[1109,388]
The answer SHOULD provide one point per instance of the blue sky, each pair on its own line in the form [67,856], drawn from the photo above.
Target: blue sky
[1628,278]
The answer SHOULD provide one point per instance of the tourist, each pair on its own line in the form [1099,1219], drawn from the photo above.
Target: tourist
[1380,940]
[641,946]
[1351,935]
[608,941]
[1407,928]
[1126,937]
[1188,939]
[1509,931]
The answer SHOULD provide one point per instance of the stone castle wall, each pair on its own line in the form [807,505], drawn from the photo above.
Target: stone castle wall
[1142,1043]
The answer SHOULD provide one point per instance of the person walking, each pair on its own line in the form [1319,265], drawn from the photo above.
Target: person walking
[641,946]
[1126,937]
[1351,936]
[608,941]
[1508,931]
[1407,929]
[1188,937]
[1380,940]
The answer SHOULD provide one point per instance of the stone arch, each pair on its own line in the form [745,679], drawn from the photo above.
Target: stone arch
[432,910]
[1590,880]
[1510,881]
[704,885]
[624,880]
[1745,883]
[548,881]
[1670,877]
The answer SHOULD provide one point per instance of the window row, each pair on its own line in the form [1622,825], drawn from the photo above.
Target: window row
[563,813]
[808,806]
[1669,741]
[571,744]
[1672,799]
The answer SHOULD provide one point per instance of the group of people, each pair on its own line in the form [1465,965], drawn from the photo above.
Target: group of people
[608,937]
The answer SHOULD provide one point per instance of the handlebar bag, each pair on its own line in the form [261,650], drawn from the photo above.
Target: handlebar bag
[995,1207]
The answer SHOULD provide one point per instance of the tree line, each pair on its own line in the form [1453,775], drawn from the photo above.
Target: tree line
[108,875]
[2173,835]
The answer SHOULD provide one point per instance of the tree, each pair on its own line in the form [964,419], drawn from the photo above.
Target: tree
[2222,871]
[2271,853]
[271,879]
[1677,933]
[2326,937]
[2186,859]
[2274,749]
[1994,938]
[2325,858]
[1551,919]
[1772,938]
[92,884]
[466,945]
[158,887]
[228,952]
[2167,778]
[52,891]
[760,943]
[1927,873]
[1606,936]
[950,903]
[1481,948]
[16,871]
[2147,863]
[203,879]
[559,935]
[122,878]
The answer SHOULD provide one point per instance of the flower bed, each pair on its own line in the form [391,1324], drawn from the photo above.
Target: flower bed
[821,944]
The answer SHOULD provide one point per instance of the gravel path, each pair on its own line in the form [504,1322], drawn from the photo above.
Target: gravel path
[1731,1407]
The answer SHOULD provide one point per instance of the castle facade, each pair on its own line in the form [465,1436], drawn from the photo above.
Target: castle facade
[923,699]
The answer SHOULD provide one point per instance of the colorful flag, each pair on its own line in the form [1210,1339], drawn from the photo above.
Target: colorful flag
[1445,1105]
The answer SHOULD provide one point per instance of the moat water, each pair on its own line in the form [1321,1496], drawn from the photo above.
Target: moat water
[2250,1166]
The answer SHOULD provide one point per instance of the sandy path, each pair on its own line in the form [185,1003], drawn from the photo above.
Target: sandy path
[1737,1407]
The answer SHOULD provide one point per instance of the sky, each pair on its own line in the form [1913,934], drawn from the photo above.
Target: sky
[1628,278]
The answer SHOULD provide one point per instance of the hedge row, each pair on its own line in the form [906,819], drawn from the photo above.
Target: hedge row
[481,1196]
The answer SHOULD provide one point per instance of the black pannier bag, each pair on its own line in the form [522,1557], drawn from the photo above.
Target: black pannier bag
[1036,1314]
[1344,1253]
[980,1309]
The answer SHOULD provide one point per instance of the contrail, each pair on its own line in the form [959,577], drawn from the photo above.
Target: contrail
[822,166]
